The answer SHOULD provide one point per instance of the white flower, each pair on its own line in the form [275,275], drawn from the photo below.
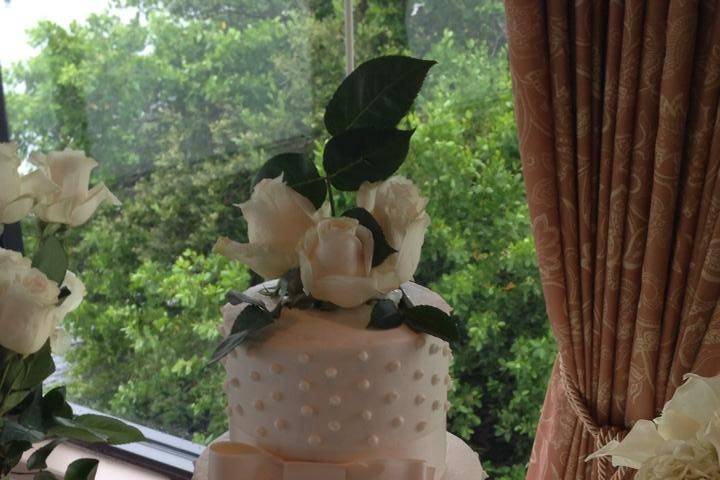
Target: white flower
[397,206]
[74,202]
[277,218]
[29,310]
[18,193]
[684,442]
[336,262]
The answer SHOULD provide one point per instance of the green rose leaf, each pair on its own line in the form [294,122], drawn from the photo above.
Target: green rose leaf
[82,469]
[236,298]
[45,475]
[54,405]
[290,283]
[51,260]
[433,321]
[250,320]
[96,429]
[31,410]
[365,155]
[381,248]
[38,367]
[15,432]
[379,93]
[38,459]
[299,173]
[385,316]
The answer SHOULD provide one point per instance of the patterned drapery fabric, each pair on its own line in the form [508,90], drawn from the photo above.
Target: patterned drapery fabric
[617,112]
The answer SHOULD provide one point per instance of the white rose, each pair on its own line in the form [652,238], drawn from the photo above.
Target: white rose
[336,262]
[18,193]
[688,460]
[277,217]
[74,202]
[685,438]
[29,310]
[399,208]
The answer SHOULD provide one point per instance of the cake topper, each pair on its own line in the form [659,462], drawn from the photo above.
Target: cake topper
[327,261]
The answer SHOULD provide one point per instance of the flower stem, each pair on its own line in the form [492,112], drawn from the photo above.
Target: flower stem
[330,195]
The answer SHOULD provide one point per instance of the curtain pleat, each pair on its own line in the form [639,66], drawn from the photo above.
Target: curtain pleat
[617,112]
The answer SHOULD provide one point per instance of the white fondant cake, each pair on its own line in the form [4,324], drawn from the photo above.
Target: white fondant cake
[321,387]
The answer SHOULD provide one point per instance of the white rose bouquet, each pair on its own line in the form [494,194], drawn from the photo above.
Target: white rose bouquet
[683,442]
[35,295]
[325,260]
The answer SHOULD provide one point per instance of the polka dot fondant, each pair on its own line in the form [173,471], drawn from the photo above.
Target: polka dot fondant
[317,387]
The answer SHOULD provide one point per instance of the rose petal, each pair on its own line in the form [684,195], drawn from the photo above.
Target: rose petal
[72,301]
[267,261]
[697,398]
[16,210]
[346,292]
[277,214]
[677,425]
[37,184]
[642,443]
[60,341]
[82,212]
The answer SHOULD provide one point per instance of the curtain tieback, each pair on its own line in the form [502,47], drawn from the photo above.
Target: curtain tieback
[602,434]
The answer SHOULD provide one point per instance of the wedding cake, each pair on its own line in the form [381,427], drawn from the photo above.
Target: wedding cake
[338,365]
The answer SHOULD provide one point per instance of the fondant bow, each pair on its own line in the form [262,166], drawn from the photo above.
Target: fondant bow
[240,461]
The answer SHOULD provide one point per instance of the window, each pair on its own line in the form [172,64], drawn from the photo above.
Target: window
[181,100]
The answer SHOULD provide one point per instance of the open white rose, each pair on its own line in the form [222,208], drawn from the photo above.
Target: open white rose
[74,202]
[684,439]
[336,262]
[399,208]
[18,193]
[277,217]
[29,310]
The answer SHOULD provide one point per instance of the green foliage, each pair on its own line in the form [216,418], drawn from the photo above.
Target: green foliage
[27,416]
[478,253]
[161,339]
[182,103]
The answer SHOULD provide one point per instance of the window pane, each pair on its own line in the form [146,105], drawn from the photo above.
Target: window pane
[180,101]
[478,252]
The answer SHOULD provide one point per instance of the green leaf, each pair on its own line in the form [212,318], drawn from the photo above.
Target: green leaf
[82,469]
[364,155]
[385,316]
[31,415]
[54,404]
[51,260]
[45,475]
[12,454]
[381,248]
[236,298]
[250,320]
[38,367]
[379,93]
[290,283]
[96,429]
[433,321]
[230,343]
[38,459]
[299,173]
[15,432]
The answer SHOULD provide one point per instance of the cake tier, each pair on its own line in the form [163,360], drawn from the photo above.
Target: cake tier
[321,387]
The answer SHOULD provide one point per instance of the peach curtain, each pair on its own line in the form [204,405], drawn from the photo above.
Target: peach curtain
[617,113]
